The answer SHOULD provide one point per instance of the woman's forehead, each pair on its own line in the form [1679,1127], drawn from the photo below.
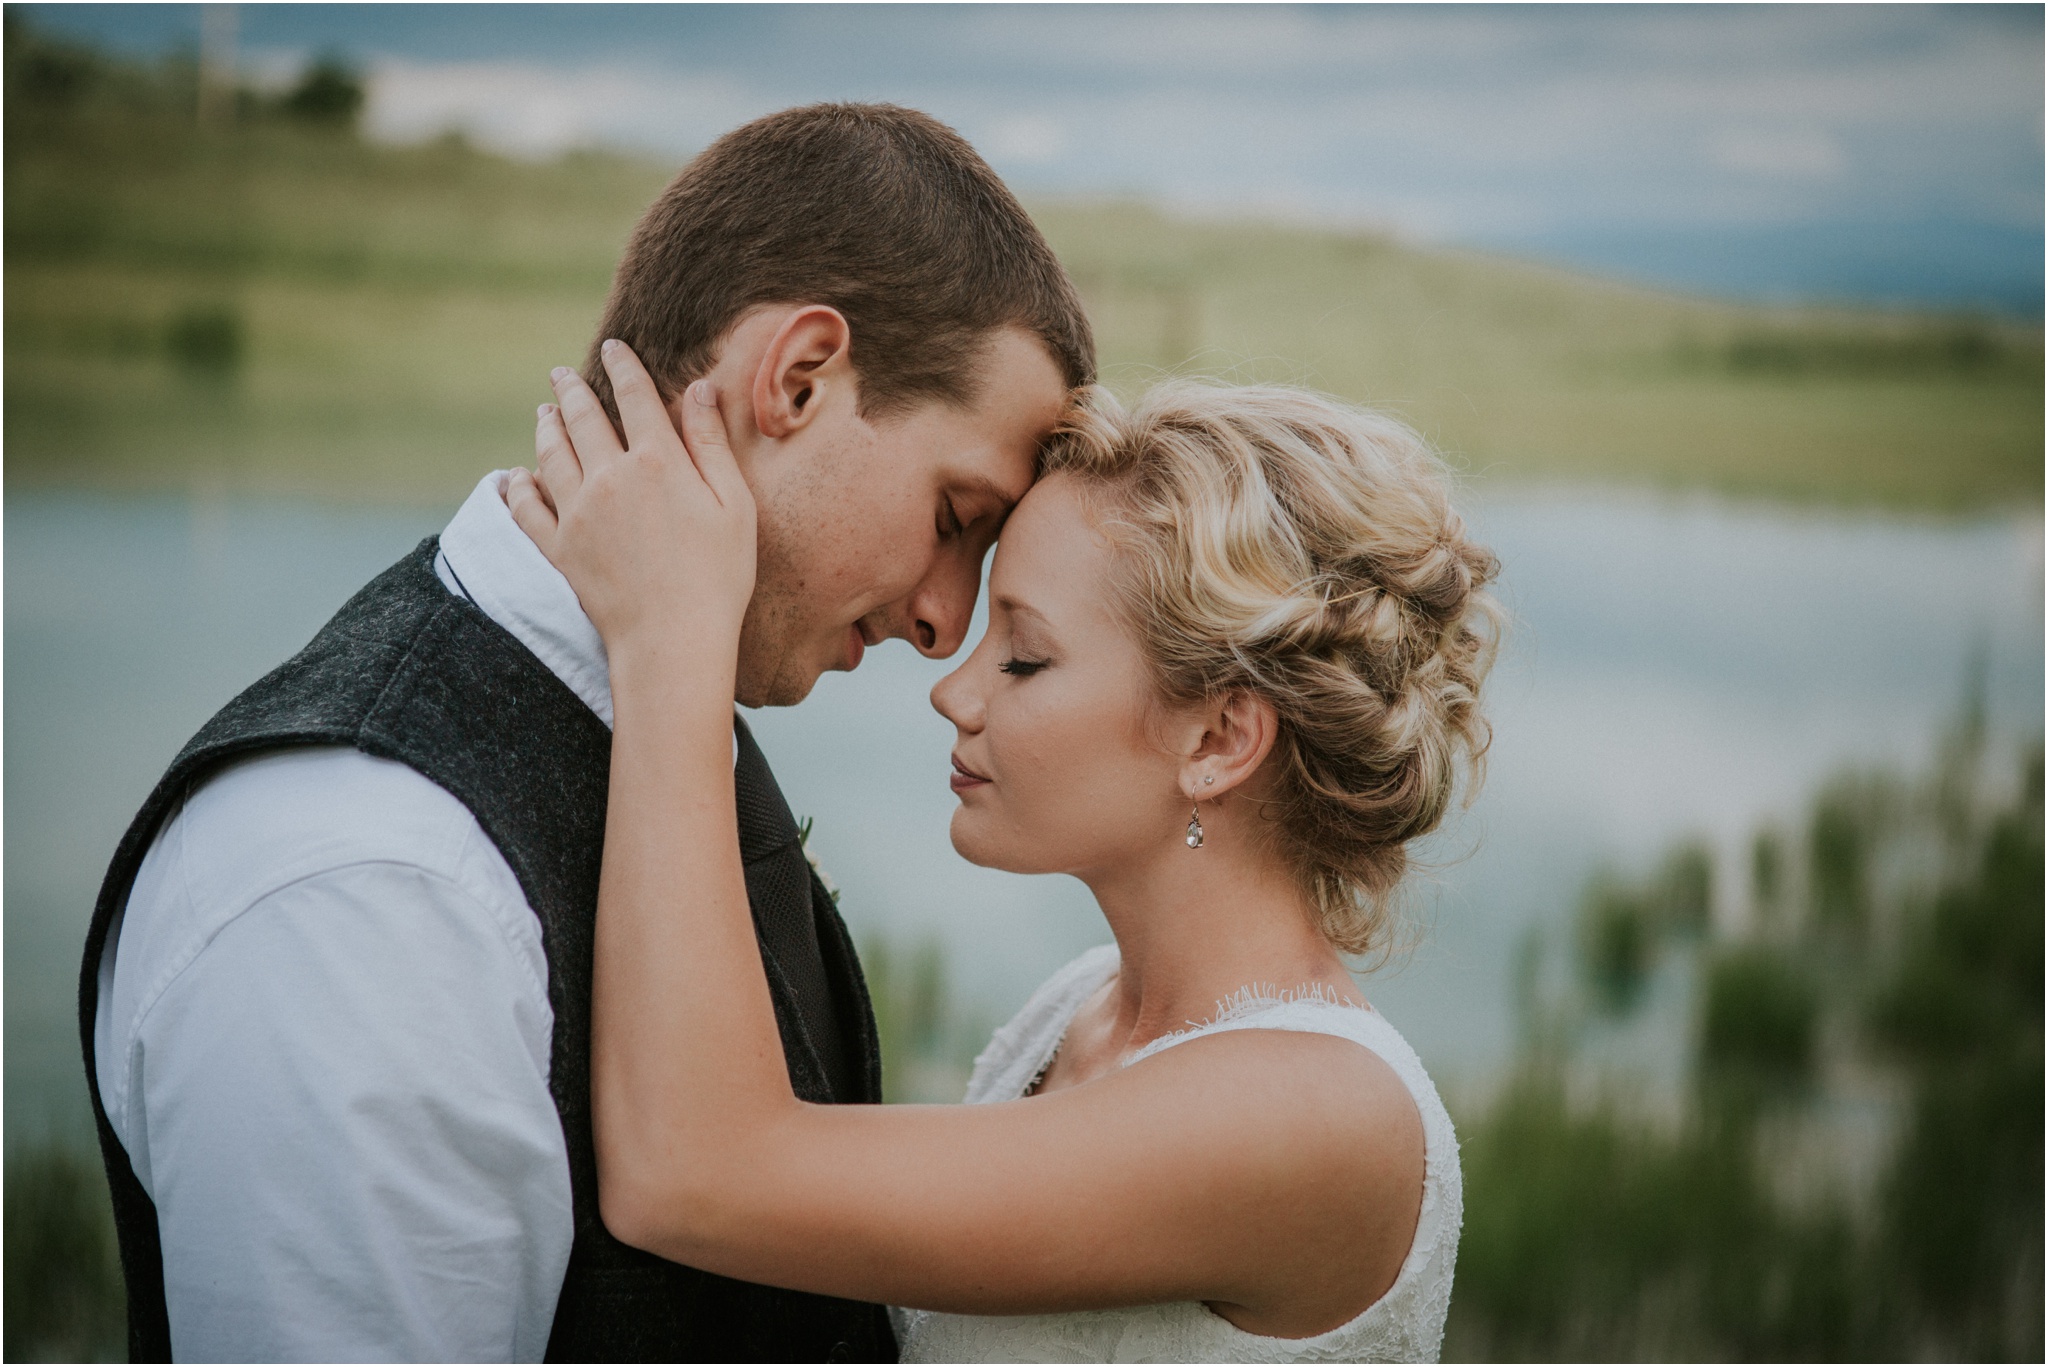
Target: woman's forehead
[1048,529]
[1052,562]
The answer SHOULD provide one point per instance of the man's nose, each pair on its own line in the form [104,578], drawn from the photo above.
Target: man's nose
[941,609]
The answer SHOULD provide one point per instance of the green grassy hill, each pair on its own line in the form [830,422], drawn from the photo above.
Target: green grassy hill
[1524,372]
[279,305]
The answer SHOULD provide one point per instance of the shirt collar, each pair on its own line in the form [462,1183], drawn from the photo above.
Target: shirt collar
[494,564]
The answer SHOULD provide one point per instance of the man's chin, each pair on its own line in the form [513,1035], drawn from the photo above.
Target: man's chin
[784,688]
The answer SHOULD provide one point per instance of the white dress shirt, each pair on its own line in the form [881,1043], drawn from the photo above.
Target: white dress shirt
[323,1038]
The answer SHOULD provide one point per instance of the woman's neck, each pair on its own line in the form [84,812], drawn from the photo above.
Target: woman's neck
[1194,927]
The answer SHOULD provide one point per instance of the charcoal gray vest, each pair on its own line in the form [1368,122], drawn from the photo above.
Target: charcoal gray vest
[408,671]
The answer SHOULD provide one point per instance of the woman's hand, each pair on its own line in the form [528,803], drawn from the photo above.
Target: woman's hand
[656,538]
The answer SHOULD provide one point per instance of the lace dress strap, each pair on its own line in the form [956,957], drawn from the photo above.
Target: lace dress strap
[1311,1012]
[1405,1324]
[1020,1050]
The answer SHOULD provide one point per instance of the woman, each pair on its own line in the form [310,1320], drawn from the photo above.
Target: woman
[1235,643]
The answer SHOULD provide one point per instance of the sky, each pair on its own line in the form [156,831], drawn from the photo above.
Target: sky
[1881,153]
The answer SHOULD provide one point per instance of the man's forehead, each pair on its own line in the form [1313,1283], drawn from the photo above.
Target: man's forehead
[1016,408]
[995,465]
[1021,387]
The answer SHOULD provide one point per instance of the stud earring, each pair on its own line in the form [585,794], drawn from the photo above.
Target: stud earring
[1195,828]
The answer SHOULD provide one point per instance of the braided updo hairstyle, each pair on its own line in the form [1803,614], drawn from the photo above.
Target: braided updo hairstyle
[1277,541]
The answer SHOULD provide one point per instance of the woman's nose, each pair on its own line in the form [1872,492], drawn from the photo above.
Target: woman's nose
[954,699]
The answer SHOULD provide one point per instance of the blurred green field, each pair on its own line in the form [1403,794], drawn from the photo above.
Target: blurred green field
[1522,372]
[288,310]
[286,307]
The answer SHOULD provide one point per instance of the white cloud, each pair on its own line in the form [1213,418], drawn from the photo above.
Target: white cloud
[1030,138]
[529,109]
[1792,155]
[1441,122]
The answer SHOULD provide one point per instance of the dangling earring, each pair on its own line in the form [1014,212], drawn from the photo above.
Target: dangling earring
[1195,821]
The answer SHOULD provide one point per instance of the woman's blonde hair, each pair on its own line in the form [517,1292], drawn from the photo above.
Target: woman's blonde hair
[1278,541]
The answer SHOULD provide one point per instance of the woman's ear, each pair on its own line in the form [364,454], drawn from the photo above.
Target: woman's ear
[1237,735]
[811,352]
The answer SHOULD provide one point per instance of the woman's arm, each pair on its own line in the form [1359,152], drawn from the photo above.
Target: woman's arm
[1271,1174]
[657,538]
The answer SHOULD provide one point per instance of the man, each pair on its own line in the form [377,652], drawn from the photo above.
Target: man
[335,999]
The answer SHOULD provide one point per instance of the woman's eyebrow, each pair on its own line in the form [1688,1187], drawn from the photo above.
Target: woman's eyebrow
[1018,608]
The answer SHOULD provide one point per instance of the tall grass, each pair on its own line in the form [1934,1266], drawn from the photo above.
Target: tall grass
[64,1299]
[1889,1006]
[929,1036]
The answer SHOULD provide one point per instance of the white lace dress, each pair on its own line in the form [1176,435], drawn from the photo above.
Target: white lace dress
[1404,1325]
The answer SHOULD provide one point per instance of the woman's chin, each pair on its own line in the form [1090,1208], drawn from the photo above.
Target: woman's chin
[964,838]
[974,842]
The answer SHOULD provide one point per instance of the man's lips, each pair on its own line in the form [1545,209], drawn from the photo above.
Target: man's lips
[965,778]
[859,637]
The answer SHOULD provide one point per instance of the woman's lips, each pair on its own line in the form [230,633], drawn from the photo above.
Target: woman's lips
[856,647]
[965,778]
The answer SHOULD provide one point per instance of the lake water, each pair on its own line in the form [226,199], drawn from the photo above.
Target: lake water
[1677,667]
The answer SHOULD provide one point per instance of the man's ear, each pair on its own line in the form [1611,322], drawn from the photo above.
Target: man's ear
[810,354]
[1237,734]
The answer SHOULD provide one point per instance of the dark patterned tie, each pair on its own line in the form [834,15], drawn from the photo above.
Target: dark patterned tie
[785,919]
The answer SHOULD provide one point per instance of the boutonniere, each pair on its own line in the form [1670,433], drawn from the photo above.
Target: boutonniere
[803,840]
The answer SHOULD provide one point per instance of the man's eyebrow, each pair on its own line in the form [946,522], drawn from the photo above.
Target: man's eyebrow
[998,497]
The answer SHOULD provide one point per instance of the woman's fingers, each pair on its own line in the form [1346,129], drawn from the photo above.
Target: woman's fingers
[591,434]
[641,411]
[555,467]
[574,441]
[531,511]
[705,438]
[658,537]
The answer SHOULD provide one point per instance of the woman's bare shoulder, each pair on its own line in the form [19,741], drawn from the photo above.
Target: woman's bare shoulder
[1295,1079]
[1326,1138]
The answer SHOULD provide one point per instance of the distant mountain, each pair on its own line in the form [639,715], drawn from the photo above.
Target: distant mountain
[1981,267]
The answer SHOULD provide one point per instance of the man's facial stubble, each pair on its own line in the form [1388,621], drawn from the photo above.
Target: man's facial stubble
[773,668]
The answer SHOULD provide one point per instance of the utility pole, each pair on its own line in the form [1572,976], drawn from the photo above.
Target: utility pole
[216,65]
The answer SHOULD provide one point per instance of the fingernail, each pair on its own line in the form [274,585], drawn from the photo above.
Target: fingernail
[559,373]
[542,411]
[700,392]
[610,344]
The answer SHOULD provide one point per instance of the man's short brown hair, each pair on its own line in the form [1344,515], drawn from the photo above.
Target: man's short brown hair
[880,212]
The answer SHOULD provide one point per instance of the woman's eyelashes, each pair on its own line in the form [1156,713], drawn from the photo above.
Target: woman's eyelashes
[1022,668]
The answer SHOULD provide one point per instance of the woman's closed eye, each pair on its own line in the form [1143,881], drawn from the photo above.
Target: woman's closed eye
[1022,668]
